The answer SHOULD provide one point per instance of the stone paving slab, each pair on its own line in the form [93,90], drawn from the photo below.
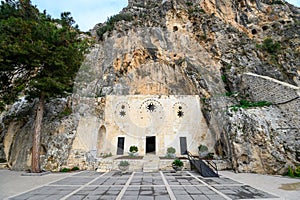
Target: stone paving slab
[46,192]
[141,185]
[88,173]
[183,181]
[219,181]
[117,174]
[146,192]
[243,192]
[106,192]
[195,192]
[73,180]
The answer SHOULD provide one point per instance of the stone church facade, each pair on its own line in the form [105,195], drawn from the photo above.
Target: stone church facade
[151,122]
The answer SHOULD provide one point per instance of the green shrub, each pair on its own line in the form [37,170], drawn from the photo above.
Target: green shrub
[224,78]
[177,162]
[2,160]
[69,170]
[123,163]
[133,149]
[270,46]
[293,172]
[230,94]
[248,104]
[290,172]
[210,155]
[106,28]
[171,150]
[189,3]
[75,169]
[277,2]
[110,23]
[297,172]
[202,148]
[66,112]
[65,170]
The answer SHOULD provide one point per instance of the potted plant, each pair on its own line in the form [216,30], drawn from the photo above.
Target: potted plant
[133,150]
[171,152]
[177,165]
[203,151]
[123,165]
[210,156]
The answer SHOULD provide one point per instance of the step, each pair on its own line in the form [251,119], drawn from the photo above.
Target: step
[151,163]
[150,168]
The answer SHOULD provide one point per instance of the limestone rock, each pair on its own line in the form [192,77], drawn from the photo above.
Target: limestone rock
[57,135]
[216,50]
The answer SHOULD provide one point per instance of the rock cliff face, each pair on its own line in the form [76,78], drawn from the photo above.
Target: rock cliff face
[58,132]
[227,52]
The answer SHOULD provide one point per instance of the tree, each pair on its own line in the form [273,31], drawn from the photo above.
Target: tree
[39,58]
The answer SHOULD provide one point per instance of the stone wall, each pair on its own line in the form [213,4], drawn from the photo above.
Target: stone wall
[172,117]
[129,117]
[263,88]
[284,96]
[267,139]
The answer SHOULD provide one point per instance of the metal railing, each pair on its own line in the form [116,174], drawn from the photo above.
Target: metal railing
[206,168]
[212,165]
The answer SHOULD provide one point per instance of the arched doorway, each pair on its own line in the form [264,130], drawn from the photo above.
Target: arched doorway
[101,140]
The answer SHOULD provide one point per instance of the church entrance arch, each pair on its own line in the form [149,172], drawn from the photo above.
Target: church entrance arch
[101,140]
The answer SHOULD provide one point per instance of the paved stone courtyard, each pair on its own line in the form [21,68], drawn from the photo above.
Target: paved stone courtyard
[183,185]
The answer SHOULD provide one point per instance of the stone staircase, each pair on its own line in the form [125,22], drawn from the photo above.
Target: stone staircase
[151,163]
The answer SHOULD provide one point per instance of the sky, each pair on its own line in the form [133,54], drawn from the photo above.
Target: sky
[88,13]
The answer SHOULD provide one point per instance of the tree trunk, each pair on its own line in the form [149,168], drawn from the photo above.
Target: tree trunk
[35,161]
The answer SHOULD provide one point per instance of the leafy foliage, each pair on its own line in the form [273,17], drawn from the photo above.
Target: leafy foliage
[124,163]
[39,58]
[293,172]
[38,54]
[65,170]
[202,148]
[188,3]
[66,112]
[171,150]
[75,168]
[297,171]
[271,46]
[224,78]
[133,149]
[69,170]
[177,163]
[248,104]
[277,2]
[110,23]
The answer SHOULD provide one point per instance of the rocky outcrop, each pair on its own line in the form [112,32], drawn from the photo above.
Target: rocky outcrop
[211,44]
[224,51]
[59,129]
[266,140]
